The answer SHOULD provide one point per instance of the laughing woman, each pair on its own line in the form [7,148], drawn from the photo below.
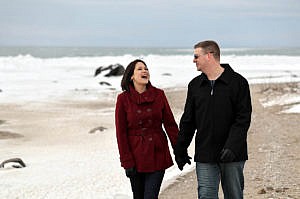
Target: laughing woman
[141,110]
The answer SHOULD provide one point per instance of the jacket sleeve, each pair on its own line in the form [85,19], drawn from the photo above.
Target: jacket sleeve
[237,138]
[186,127]
[126,157]
[169,122]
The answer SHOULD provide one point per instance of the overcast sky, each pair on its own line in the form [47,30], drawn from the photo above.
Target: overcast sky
[153,23]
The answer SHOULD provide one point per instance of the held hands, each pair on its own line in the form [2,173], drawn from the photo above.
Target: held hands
[226,156]
[130,172]
[181,161]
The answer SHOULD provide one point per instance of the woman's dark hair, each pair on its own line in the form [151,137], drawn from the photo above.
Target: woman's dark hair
[126,80]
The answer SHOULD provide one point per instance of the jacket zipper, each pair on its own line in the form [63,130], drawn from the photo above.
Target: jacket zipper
[212,83]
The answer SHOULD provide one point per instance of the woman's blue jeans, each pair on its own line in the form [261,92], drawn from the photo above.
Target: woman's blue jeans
[230,174]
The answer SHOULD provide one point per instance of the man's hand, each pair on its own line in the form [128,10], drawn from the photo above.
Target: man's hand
[181,161]
[226,156]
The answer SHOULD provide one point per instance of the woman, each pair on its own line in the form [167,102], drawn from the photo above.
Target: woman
[140,112]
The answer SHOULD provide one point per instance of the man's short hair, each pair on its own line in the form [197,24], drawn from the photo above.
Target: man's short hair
[209,46]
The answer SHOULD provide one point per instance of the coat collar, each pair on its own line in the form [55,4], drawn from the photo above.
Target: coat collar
[225,76]
[145,97]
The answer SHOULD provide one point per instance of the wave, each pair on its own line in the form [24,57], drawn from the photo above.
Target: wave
[59,52]
[26,77]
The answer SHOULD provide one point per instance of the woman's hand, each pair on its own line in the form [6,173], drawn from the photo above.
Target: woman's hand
[130,172]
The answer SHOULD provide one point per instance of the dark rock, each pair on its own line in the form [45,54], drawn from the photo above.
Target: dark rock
[16,160]
[117,70]
[9,135]
[257,179]
[262,191]
[280,190]
[105,83]
[82,90]
[166,74]
[114,70]
[0,90]
[100,128]
[99,70]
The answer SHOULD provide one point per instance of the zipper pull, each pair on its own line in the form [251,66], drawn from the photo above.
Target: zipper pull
[212,83]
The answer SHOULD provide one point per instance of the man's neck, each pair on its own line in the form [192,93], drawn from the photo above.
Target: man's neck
[215,72]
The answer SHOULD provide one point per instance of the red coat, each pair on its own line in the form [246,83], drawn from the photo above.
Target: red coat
[141,140]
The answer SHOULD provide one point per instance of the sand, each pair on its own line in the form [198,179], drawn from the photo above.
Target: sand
[273,168]
[272,171]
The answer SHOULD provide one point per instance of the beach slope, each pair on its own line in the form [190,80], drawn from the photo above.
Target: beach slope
[273,168]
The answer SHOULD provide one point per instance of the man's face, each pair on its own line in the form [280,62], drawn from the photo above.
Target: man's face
[200,58]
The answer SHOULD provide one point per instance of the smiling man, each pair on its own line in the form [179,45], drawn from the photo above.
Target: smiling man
[218,107]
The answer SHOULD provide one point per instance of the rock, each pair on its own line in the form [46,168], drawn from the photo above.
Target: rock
[9,135]
[82,90]
[98,71]
[117,70]
[99,128]
[0,90]
[280,190]
[104,83]
[114,70]
[16,160]
[257,179]
[262,191]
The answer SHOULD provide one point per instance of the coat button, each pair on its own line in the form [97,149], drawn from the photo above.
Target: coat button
[150,121]
[150,139]
[139,111]
[140,122]
[149,109]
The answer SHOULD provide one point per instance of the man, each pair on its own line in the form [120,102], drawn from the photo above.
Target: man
[218,107]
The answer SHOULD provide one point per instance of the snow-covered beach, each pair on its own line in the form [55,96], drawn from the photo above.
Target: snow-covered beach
[50,105]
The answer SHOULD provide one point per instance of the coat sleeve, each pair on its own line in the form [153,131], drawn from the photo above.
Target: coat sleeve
[169,122]
[126,157]
[186,127]
[237,138]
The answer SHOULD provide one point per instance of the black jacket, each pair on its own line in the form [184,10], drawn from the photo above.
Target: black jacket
[220,115]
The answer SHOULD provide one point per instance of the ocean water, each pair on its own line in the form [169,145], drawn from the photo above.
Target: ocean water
[54,73]
[58,52]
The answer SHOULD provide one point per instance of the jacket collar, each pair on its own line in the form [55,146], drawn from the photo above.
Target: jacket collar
[225,76]
[145,97]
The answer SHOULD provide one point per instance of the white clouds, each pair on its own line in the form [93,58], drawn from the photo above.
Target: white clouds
[147,21]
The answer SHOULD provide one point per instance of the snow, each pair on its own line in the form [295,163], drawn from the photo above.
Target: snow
[80,165]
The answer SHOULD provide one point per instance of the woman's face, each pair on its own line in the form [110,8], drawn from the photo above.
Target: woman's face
[141,74]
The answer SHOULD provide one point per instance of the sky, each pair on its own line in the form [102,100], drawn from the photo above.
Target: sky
[153,23]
